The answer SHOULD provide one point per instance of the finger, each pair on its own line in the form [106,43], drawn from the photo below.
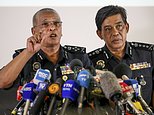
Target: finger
[30,45]
[37,37]
[99,71]
[44,34]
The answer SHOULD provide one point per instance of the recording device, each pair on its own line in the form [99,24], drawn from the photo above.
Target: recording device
[55,90]
[28,95]
[70,92]
[84,81]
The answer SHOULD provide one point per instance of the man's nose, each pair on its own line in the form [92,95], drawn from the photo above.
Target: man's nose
[115,31]
[52,26]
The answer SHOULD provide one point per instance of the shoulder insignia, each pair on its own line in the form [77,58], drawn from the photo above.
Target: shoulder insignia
[75,49]
[145,46]
[95,52]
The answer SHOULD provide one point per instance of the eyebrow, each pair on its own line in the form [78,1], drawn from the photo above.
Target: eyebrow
[119,22]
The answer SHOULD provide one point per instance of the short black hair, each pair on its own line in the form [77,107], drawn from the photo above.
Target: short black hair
[107,11]
[40,11]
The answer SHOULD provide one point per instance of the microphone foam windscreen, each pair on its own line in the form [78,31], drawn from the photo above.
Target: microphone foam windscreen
[75,63]
[110,85]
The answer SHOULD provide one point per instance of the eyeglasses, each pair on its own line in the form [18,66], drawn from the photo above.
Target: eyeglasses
[57,24]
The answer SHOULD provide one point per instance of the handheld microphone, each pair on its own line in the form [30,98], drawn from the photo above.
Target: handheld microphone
[84,81]
[70,92]
[54,89]
[28,95]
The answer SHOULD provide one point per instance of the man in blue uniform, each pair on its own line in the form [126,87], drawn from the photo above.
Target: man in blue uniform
[43,51]
[112,27]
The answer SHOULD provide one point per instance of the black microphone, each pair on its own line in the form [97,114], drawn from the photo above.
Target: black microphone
[39,100]
[55,90]
[15,110]
[76,65]
[122,69]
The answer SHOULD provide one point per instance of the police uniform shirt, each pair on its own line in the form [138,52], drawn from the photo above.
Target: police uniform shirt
[139,57]
[39,60]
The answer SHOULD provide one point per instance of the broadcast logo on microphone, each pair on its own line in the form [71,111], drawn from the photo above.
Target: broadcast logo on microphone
[41,75]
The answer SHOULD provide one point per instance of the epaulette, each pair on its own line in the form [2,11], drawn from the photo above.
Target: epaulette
[95,52]
[19,50]
[74,49]
[144,46]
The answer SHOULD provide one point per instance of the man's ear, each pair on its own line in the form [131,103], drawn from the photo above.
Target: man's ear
[99,34]
[33,30]
[127,27]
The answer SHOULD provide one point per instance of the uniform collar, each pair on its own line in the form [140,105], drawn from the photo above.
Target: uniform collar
[129,51]
[42,55]
[109,55]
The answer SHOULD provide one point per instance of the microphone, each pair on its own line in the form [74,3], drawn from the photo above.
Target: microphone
[28,95]
[38,102]
[42,78]
[19,95]
[141,80]
[122,69]
[110,86]
[136,87]
[42,75]
[112,90]
[76,65]
[128,95]
[15,110]
[70,92]
[84,81]
[55,90]
[134,84]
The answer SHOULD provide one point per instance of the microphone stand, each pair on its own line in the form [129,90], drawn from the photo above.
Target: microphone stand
[119,109]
